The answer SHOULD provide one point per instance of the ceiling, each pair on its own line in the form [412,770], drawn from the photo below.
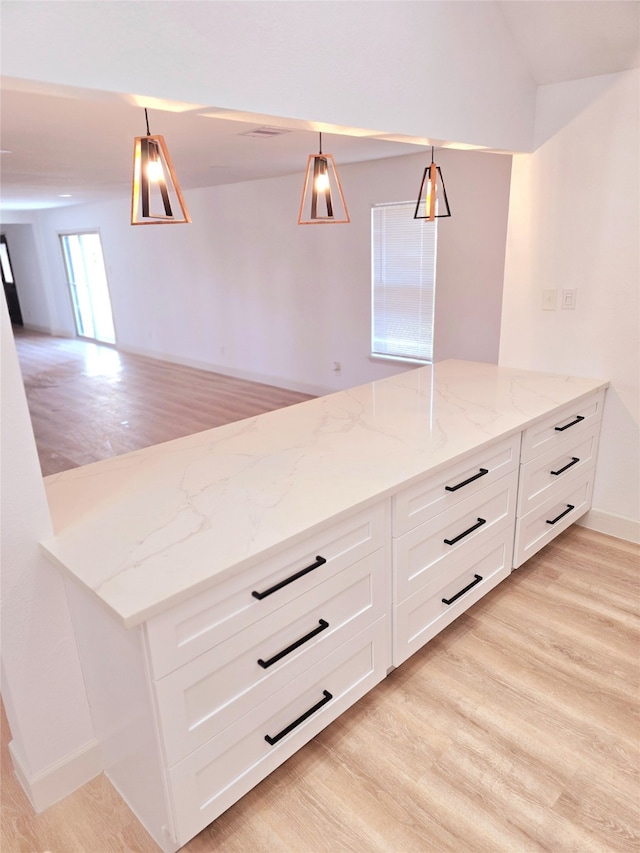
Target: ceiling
[68,141]
[62,139]
[562,40]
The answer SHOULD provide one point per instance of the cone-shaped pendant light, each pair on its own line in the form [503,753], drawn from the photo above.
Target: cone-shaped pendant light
[156,198]
[322,199]
[432,199]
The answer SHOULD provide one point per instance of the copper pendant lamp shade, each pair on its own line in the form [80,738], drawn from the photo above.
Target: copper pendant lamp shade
[322,198]
[156,196]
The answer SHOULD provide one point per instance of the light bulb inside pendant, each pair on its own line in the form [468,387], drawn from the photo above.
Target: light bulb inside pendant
[154,171]
[428,200]
[322,182]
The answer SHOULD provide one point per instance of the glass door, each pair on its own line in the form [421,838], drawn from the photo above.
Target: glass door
[87,279]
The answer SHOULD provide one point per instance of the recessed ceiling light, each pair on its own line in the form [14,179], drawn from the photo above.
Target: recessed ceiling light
[5,151]
[65,195]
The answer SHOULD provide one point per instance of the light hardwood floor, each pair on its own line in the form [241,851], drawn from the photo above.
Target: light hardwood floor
[516,729]
[90,402]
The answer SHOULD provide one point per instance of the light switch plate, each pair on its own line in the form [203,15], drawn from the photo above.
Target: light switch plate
[549,299]
[569,299]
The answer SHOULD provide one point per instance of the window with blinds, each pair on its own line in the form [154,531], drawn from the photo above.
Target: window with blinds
[403,279]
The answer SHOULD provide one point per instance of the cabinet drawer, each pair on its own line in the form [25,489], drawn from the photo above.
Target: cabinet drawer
[569,420]
[436,493]
[545,475]
[423,551]
[535,529]
[208,781]
[423,615]
[205,620]
[201,698]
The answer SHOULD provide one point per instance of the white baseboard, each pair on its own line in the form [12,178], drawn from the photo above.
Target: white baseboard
[45,330]
[277,381]
[60,779]
[611,524]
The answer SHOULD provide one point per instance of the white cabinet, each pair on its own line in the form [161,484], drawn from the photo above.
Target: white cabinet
[212,695]
[233,592]
[211,779]
[570,500]
[460,552]
[450,538]
[556,474]
[446,595]
[539,478]
[201,698]
[470,537]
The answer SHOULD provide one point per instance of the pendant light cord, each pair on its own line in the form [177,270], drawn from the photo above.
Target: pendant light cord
[146,118]
[320,135]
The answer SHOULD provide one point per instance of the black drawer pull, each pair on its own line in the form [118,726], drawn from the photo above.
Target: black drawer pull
[476,580]
[271,740]
[574,461]
[460,536]
[322,625]
[320,561]
[573,423]
[562,514]
[455,488]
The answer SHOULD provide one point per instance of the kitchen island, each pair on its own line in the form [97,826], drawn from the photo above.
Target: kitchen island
[236,590]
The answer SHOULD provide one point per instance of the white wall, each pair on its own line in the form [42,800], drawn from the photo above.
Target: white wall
[42,685]
[471,256]
[247,291]
[445,70]
[574,223]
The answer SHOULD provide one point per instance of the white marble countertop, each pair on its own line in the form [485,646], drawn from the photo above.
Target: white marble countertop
[150,528]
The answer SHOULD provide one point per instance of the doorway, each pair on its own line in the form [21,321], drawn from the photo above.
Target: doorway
[9,284]
[87,280]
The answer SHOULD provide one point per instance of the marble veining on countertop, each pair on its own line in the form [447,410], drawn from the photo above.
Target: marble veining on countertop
[149,528]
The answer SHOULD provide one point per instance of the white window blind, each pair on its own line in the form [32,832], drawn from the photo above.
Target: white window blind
[403,274]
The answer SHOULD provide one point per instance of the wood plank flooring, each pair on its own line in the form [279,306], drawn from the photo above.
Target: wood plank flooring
[90,402]
[515,730]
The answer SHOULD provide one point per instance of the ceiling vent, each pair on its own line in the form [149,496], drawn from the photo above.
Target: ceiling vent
[265,132]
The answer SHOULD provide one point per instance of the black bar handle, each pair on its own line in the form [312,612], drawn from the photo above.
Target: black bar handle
[574,461]
[473,583]
[455,488]
[460,536]
[327,697]
[573,423]
[562,514]
[322,626]
[320,561]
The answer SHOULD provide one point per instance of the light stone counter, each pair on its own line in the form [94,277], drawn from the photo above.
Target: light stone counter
[148,529]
